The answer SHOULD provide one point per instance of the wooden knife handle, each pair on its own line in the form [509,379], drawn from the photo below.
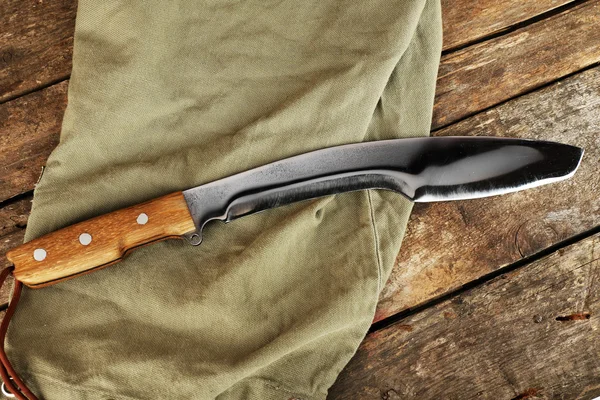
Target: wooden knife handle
[100,241]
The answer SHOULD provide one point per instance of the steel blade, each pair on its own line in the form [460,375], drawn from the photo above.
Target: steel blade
[422,169]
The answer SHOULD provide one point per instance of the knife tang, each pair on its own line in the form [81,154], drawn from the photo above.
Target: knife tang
[100,241]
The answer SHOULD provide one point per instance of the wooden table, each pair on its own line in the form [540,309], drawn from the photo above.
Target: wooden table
[490,299]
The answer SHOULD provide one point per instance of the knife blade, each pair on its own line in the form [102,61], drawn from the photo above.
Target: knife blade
[421,169]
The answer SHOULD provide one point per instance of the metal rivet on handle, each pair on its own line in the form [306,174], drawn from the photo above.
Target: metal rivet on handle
[39,254]
[85,239]
[142,219]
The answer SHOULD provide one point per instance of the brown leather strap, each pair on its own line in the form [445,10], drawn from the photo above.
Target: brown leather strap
[11,380]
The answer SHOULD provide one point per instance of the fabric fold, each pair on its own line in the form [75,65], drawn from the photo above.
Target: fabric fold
[169,95]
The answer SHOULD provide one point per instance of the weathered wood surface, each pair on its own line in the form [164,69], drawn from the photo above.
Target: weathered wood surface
[8,242]
[486,74]
[530,334]
[29,131]
[468,21]
[450,244]
[13,219]
[36,44]
[13,216]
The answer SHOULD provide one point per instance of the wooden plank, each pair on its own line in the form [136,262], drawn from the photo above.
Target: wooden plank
[450,244]
[466,21]
[529,334]
[13,216]
[36,44]
[13,219]
[8,242]
[29,131]
[494,71]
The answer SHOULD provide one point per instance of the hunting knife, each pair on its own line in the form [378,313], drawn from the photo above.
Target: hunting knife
[421,169]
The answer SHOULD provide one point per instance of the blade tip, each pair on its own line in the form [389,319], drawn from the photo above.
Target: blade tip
[578,157]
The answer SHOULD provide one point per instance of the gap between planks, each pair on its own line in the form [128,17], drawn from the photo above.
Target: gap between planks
[528,334]
[508,100]
[509,28]
[487,74]
[522,263]
[16,198]
[34,89]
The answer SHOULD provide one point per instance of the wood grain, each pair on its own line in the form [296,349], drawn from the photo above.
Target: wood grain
[13,216]
[469,241]
[450,244]
[36,44]
[13,220]
[494,71]
[112,236]
[466,21]
[8,242]
[29,131]
[529,334]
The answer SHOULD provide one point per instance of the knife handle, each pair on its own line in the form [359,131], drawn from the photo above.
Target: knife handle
[100,241]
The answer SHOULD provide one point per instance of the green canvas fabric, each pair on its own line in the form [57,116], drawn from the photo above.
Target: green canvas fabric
[169,95]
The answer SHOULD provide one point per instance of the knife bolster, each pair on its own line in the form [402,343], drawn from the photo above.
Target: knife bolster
[100,241]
